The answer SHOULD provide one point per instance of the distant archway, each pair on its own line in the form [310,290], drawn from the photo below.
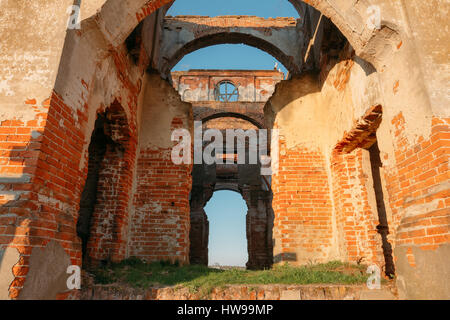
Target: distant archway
[229,38]
[226,212]
[256,123]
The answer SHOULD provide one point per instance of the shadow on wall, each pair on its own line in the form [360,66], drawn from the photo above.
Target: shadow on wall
[29,220]
[102,217]
[285,257]
[291,92]
[45,267]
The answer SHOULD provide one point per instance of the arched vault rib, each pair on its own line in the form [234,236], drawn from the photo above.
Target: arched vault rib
[117,19]
[233,115]
[280,37]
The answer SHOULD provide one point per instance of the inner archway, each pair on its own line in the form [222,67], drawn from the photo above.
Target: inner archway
[226,213]
[229,56]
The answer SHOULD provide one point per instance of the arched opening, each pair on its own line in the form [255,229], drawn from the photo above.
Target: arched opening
[102,221]
[229,57]
[327,50]
[97,150]
[227,116]
[323,53]
[108,74]
[226,212]
[232,38]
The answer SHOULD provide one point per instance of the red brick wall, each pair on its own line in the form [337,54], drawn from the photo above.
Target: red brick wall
[418,186]
[302,206]
[160,225]
[253,85]
[46,206]
[109,225]
[356,218]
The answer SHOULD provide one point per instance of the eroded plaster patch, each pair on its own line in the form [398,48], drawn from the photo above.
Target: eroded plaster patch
[9,257]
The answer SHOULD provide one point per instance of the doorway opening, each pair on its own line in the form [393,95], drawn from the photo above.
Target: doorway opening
[97,150]
[227,245]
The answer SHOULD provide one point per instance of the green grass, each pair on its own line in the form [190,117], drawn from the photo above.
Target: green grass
[200,278]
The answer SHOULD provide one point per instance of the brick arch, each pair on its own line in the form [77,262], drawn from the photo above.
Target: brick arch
[216,115]
[299,6]
[229,188]
[231,38]
[259,218]
[105,217]
[116,20]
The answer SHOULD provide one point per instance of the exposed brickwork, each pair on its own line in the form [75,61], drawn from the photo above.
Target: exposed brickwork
[356,219]
[160,225]
[198,86]
[235,21]
[419,187]
[149,8]
[44,158]
[280,37]
[43,203]
[254,88]
[363,134]
[109,225]
[241,292]
[302,206]
[46,206]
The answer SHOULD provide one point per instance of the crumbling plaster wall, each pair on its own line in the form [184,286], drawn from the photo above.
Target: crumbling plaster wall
[30,59]
[412,83]
[159,228]
[349,89]
[252,85]
[415,172]
[245,179]
[86,76]
[281,37]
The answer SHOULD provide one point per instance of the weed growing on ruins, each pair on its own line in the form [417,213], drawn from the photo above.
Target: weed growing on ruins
[137,273]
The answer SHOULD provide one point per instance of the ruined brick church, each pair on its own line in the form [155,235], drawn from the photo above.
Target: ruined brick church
[87,116]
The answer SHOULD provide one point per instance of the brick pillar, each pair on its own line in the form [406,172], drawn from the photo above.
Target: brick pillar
[302,206]
[203,183]
[160,224]
[355,207]
[199,237]
[418,189]
[109,224]
[259,224]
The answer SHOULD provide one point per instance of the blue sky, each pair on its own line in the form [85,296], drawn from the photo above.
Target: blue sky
[213,8]
[227,229]
[227,210]
[231,56]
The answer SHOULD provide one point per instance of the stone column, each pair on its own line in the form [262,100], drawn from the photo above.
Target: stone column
[202,191]
[259,228]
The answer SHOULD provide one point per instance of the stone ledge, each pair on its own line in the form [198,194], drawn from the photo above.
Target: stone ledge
[240,292]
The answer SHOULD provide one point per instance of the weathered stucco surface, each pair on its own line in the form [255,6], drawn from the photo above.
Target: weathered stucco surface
[48,273]
[54,84]
[161,104]
[426,279]
[281,37]
[8,259]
